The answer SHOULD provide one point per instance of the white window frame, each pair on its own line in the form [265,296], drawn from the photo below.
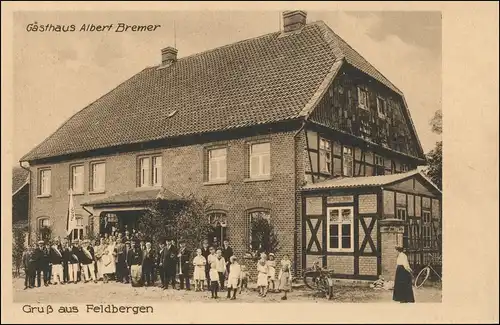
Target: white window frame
[98,177]
[45,181]
[399,215]
[157,168]
[144,171]
[381,107]
[218,164]
[77,178]
[362,98]
[325,153]
[347,151]
[340,235]
[262,158]
[78,232]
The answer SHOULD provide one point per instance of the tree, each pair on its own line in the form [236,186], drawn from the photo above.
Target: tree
[264,238]
[434,169]
[18,249]
[185,219]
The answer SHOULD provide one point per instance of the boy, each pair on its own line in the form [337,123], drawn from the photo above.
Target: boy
[214,283]
[244,278]
[221,268]
[234,277]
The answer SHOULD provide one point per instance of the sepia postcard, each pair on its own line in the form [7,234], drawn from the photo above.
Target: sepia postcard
[193,162]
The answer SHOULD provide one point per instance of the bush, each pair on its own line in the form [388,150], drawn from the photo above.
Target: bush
[18,249]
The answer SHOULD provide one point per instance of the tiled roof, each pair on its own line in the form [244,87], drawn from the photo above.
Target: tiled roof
[20,177]
[135,196]
[353,182]
[262,80]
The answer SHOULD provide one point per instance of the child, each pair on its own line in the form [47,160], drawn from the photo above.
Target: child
[271,264]
[263,271]
[244,278]
[234,277]
[284,277]
[214,280]
[199,270]
[221,268]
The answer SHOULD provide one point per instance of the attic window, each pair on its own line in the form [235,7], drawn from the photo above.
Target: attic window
[381,107]
[172,113]
[362,98]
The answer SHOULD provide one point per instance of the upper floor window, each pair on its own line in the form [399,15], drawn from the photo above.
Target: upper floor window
[347,161]
[157,170]
[401,213]
[325,154]
[379,165]
[362,98]
[381,107]
[77,178]
[44,181]
[98,177]
[340,229]
[217,165]
[44,231]
[260,160]
[150,171]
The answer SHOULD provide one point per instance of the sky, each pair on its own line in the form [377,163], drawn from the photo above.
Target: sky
[58,74]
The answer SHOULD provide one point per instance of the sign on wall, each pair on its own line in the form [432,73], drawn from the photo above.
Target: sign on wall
[340,199]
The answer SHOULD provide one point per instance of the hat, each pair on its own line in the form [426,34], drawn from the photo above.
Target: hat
[232,258]
[40,242]
[271,254]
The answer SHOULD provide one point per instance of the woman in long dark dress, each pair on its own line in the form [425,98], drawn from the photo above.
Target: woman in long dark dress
[403,290]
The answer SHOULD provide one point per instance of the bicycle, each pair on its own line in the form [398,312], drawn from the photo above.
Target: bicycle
[423,275]
[318,278]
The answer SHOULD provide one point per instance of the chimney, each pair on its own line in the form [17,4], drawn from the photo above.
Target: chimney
[168,55]
[293,20]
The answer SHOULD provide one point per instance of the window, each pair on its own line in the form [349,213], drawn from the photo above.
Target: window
[218,222]
[77,179]
[217,168]
[381,107]
[98,177]
[426,228]
[347,161]
[78,231]
[260,162]
[44,181]
[340,230]
[144,172]
[325,153]
[404,167]
[157,171]
[259,229]
[401,214]
[379,165]
[44,231]
[362,98]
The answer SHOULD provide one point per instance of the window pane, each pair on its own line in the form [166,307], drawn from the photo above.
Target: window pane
[334,215]
[346,215]
[346,242]
[214,153]
[261,148]
[346,230]
[222,169]
[157,171]
[334,236]
[265,165]
[77,179]
[254,166]
[144,173]
[81,234]
[212,169]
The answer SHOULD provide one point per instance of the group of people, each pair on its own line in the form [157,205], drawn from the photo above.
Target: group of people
[127,259]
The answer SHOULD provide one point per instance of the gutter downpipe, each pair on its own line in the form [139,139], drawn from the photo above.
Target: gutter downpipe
[30,202]
[295,233]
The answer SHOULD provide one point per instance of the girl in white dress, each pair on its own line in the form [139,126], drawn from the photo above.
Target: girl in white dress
[199,277]
[108,260]
[271,276]
[263,271]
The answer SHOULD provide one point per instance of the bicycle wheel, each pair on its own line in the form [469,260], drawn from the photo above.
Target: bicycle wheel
[422,276]
[311,279]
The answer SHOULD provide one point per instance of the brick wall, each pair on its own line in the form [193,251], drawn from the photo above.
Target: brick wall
[367,203]
[341,264]
[367,265]
[183,174]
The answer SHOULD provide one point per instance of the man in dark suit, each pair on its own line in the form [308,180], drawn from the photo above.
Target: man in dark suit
[159,263]
[126,271]
[169,263]
[148,260]
[66,256]
[29,267]
[39,262]
[184,256]
[227,252]
[56,259]
[74,262]
[47,265]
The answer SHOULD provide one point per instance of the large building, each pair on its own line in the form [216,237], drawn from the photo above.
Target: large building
[293,126]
